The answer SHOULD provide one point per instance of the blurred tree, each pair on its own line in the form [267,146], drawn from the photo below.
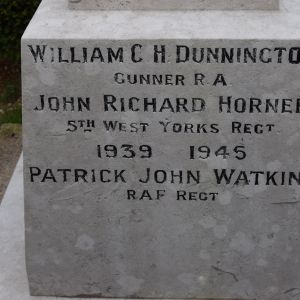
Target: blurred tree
[14,17]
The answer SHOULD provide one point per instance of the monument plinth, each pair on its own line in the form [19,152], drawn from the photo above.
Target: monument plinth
[161,153]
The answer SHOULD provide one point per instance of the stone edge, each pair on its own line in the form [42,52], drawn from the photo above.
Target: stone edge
[172,5]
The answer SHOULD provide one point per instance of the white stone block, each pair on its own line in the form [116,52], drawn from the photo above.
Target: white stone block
[222,96]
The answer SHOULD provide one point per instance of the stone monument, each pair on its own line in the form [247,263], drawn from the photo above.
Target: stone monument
[161,150]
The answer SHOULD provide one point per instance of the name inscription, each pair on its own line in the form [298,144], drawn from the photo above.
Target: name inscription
[142,101]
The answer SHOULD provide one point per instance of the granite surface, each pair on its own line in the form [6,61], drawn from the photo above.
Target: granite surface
[129,121]
[175,4]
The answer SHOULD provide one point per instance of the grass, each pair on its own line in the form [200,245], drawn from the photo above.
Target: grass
[10,120]
[10,130]
[10,104]
[10,92]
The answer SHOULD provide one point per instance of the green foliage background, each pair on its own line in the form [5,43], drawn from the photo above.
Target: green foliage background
[14,17]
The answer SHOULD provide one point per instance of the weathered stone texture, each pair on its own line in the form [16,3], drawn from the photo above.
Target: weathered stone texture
[175,4]
[237,238]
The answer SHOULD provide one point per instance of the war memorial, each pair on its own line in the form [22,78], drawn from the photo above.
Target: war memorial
[161,149]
